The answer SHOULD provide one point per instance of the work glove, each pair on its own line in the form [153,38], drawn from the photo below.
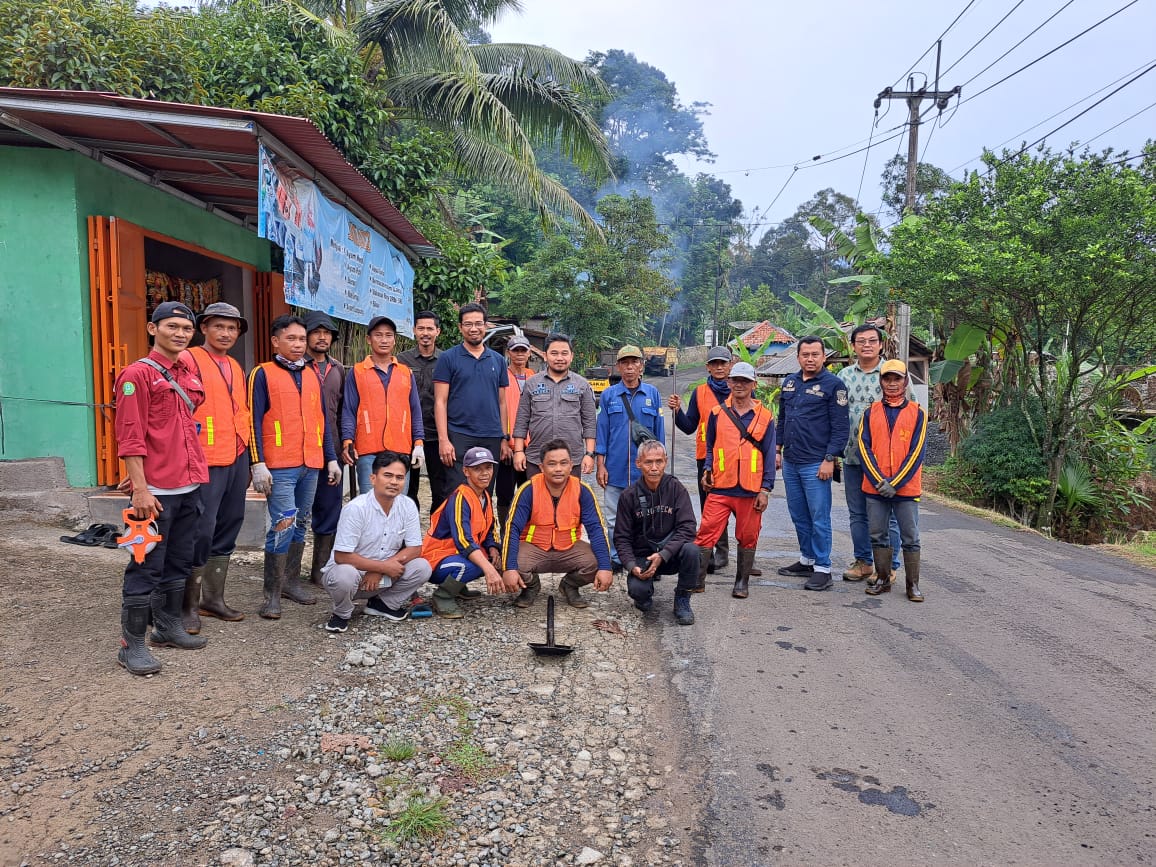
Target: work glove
[417,459]
[886,489]
[334,470]
[262,479]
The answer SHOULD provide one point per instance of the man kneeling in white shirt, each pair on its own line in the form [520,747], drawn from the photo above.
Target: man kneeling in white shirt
[377,552]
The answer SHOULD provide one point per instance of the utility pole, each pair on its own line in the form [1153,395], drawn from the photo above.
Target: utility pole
[900,314]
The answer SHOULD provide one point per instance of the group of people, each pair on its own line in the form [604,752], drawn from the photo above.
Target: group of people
[503,450]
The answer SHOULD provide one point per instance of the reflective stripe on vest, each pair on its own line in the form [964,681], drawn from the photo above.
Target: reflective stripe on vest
[745,470]
[293,429]
[383,419]
[561,524]
[890,446]
[704,396]
[224,416]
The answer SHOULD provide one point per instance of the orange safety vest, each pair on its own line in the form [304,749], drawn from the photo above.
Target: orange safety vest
[702,394]
[889,446]
[736,461]
[435,550]
[554,527]
[293,429]
[224,417]
[513,398]
[383,421]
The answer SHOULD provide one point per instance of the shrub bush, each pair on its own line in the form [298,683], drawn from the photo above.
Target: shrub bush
[1003,450]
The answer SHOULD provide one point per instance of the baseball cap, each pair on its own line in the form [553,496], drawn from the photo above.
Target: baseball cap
[173,310]
[893,365]
[222,310]
[380,320]
[718,353]
[477,456]
[518,341]
[628,352]
[742,370]
[315,319]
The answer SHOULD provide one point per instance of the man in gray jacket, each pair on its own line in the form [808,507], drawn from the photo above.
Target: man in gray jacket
[556,404]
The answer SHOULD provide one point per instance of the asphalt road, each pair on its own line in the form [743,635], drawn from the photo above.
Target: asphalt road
[1011,718]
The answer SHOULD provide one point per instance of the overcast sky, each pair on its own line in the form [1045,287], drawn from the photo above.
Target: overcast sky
[788,81]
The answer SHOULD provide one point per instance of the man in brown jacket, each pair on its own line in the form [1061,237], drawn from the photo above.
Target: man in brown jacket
[321,333]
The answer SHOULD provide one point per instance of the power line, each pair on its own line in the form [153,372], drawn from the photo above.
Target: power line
[1121,123]
[1036,30]
[955,21]
[831,152]
[866,154]
[978,42]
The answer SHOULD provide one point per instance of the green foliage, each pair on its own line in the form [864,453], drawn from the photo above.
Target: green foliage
[471,760]
[398,749]
[422,819]
[1002,450]
[956,478]
[931,182]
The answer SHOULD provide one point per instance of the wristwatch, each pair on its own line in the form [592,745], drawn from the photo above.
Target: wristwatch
[828,457]
[591,455]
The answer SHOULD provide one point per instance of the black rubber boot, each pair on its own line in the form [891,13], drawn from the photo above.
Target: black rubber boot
[722,552]
[683,616]
[704,555]
[746,559]
[271,585]
[189,616]
[322,548]
[168,630]
[569,585]
[529,592]
[911,570]
[291,584]
[134,624]
[881,583]
[213,591]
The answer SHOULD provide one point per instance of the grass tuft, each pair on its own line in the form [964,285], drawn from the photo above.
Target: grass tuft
[398,750]
[422,818]
[470,759]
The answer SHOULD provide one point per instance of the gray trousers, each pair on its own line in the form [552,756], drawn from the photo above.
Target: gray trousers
[341,581]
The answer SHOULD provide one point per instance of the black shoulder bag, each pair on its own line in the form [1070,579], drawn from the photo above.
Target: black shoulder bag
[638,432]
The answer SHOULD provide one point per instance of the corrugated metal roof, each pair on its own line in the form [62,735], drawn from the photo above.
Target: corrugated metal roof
[204,153]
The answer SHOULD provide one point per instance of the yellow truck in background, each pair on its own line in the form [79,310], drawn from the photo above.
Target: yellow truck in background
[659,360]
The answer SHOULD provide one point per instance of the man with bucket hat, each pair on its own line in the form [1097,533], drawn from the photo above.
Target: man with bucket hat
[224,425]
[156,436]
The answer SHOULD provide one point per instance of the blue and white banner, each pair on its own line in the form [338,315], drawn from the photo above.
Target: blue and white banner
[333,261]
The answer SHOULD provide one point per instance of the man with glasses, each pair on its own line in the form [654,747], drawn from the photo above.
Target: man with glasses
[863,389]
[470,383]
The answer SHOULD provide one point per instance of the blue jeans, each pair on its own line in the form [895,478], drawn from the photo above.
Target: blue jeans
[457,568]
[809,503]
[881,512]
[857,510]
[293,488]
[365,470]
[610,497]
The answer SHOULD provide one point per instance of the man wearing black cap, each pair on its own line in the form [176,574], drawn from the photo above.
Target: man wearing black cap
[320,334]
[156,437]
[422,360]
[381,410]
[223,420]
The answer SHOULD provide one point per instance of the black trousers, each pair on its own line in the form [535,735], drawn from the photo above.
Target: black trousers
[223,504]
[171,560]
[685,564]
[435,471]
[463,443]
[327,503]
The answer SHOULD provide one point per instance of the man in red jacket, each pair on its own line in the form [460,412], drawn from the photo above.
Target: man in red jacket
[156,436]
[891,437]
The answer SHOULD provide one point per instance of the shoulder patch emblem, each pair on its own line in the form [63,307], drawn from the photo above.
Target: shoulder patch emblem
[128,389]
[841,397]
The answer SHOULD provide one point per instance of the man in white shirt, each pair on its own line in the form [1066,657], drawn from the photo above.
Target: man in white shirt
[377,552]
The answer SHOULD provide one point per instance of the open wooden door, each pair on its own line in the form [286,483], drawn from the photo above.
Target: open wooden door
[116,279]
[268,303]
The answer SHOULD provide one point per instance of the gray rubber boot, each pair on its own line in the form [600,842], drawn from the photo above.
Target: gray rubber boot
[133,655]
[189,617]
[882,581]
[445,599]
[911,570]
[722,551]
[271,585]
[213,591]
[704,555]
[291,585]
[569,585]
[168,630]
[322,548]
[746,560]
[529,592]
[683,616]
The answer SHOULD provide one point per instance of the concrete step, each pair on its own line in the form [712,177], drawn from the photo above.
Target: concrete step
[38,489]
[107,507]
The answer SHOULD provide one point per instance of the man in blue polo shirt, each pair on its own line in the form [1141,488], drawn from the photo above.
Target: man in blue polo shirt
[470,398]
[813,429]
[616,438]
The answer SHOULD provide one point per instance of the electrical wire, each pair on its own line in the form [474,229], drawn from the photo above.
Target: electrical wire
[955,21]
[867,154]
[976,44]
[798,162]
[1121,123]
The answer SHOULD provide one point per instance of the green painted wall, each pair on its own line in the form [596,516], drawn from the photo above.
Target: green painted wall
[46,196]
